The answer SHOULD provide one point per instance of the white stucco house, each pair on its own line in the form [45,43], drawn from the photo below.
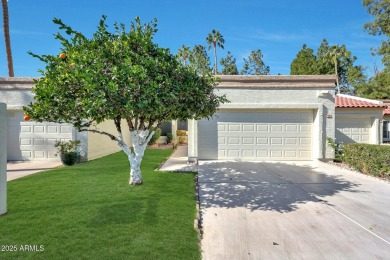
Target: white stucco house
[29,140]
[268,118]
[359,120]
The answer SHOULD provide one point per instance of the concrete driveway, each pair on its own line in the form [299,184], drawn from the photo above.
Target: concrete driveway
[258,210]
[19,169]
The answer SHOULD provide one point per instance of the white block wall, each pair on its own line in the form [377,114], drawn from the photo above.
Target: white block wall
[3,158]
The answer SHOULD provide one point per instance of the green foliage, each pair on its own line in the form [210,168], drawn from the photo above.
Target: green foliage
[183,54]
[338,149]
[255,65]
[89,211]
[199,60]
[170,137]
[68,151]
[115,75]
[369,159]
[377,87]
[380,9]
[229,65]
[156,135]
[326,60]
[305,63]
[66,147]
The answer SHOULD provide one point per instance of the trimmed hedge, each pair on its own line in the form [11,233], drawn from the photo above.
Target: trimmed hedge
[368,158]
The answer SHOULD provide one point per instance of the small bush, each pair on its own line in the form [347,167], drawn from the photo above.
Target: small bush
[181,133]
[170,137]
[157,134]
[182,136]
[368,158]
[338,149]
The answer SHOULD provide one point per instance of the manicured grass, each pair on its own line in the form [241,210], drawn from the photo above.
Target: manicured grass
[89,211]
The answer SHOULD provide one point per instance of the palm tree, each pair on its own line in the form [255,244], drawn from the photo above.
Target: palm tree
[184,53]
[215,39]
[7,38]
[335,54]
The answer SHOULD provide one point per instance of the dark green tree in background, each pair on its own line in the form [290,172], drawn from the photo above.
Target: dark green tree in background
[378,86]
[199,60]
[255,65]
[183,54]
[329,59]
[305,63]
[229,66]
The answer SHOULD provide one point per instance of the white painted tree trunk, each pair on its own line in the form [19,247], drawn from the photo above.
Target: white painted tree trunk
[139,141]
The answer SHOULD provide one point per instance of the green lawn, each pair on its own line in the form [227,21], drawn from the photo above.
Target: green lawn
[89,211]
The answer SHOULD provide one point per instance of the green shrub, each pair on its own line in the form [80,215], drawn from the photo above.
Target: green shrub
[338,149]
[170,137]
[156,136]
[368,158]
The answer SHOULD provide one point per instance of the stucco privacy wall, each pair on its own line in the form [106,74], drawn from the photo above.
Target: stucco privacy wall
[267,93]
[375,115]
[101,145]
[3,158]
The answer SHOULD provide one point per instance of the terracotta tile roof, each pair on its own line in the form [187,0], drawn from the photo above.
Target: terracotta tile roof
[354,102]
[386,111]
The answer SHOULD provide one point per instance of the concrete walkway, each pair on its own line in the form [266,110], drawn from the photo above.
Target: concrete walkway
[297,210]
[177,162]
[19,169]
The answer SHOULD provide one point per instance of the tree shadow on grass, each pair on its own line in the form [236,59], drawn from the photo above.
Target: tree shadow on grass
[272,186]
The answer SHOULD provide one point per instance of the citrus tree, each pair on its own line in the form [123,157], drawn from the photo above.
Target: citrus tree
[119,75]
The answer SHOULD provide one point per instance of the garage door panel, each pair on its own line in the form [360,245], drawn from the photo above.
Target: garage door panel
[305,141]
[262,127]
[262,141]
[353,129]
[291,141]
[290,154]
[257,135]
[65,129]
[248,140]
[233,140]
[34,140]
[248,128]
[291,128]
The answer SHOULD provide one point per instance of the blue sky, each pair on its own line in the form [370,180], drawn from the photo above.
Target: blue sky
[278,28]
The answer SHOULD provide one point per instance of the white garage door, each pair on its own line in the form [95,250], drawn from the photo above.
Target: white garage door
[257,135]
[353,130]
[32,140]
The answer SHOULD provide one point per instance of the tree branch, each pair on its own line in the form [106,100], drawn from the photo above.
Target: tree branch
[113,137]
[117,122]
[130,123]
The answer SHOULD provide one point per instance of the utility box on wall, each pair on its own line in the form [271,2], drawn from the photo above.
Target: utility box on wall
[3,158]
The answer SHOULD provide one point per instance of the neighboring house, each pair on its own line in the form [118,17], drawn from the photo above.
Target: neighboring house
[386,121]
[358,120]
[268,118]
[29,140]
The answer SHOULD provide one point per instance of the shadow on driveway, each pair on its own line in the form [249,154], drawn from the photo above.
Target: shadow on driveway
[275,186]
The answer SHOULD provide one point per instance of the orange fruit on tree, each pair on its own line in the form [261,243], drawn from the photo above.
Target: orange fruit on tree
[27,118]
[62,56]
